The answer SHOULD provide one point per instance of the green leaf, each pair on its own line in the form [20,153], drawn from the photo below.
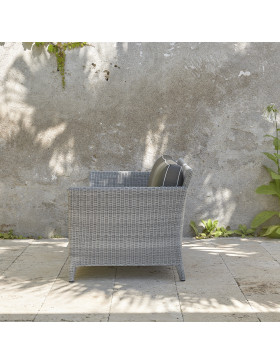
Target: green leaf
[238,232]
[274,175]
[262,217]
[269,170]
[269,135]
[250,231]
[230,232]
[215,223]
[271,108]
[193,225]
[271,156]
[271,229]
[51,48]
[266,190]
[242,228]
[275,185]
[276,143]
[270,189]
[201,236]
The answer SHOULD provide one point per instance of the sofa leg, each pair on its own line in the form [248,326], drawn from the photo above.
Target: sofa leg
[181,273]
[72,271]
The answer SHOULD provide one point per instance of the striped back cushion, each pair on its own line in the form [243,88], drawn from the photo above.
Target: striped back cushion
[166,173]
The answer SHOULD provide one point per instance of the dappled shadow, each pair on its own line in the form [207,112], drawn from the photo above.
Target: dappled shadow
[154,100]
[125,104]
[35,286]
[231,249]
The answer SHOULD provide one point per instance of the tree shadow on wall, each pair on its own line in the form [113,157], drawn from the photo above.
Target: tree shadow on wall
[123,106]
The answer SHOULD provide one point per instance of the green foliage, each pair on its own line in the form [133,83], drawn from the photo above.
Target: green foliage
[272,231]
[262,217]
[210,230]
[273,157]
[209,226]
[273,187]
[244,231]
[10,235]
[194,227]
[223,232]
[59,49]
[271,109]
[51,48]
[39,44]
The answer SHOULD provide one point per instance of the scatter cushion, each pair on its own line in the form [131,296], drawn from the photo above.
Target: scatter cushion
[166,173]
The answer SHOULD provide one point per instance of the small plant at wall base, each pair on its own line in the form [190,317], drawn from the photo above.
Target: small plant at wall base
[10,235]
[243,231]
[59,49]
[210,230]
[273,188]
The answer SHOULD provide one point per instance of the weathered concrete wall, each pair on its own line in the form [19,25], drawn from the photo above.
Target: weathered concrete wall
[199,101]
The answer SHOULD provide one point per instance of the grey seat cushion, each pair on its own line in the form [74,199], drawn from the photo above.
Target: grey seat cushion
[166,173]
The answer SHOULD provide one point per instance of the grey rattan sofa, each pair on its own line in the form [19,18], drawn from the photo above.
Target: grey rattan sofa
[119,221]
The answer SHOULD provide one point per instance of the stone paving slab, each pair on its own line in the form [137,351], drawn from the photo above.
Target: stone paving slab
[145,294]
[227,279]
[7,257]
[87,299]
[21,300]
[273,249]
[210,292]
[14,244]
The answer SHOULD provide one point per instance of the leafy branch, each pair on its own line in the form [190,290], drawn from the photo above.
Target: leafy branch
[273,187]
[59,50]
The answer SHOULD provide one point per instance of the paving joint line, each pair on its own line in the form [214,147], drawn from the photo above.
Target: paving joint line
[237,284]
[174,276]
[16,258]
[270,254]
[46,296]
[114,290]
[274,259]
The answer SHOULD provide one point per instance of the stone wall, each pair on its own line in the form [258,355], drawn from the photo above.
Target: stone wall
[199,101]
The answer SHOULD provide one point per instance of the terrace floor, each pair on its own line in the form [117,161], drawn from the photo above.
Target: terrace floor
[227,279]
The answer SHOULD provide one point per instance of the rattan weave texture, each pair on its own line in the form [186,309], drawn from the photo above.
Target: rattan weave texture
[118,221]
